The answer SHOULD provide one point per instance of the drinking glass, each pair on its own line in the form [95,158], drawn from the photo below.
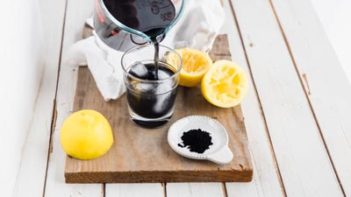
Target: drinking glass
[151,92]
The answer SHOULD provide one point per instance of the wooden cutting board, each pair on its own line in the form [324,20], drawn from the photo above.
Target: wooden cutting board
[143,155]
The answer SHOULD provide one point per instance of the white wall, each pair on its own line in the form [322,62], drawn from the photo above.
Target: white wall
[335,16]
[20,73]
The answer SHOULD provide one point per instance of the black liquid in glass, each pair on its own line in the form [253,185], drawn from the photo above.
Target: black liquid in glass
[151,99]
[151,17]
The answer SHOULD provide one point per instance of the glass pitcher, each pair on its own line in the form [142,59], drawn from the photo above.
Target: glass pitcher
[122,23]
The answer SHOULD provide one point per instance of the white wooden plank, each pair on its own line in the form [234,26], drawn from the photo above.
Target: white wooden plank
[266,179]
[134,190]
[195,189]
[302,158]
[31,176]
[77,12]
[323,77]
[252,189]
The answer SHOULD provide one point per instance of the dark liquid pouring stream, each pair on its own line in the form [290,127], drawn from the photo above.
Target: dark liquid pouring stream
[156,58]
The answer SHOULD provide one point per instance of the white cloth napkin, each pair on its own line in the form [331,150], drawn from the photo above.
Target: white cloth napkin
[197,28]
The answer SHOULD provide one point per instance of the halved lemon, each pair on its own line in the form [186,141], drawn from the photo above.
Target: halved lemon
[195,64]
[86,134]
[225,84]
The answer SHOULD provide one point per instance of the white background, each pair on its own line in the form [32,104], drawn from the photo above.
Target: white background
[335,16]
[20,74]
[20,69]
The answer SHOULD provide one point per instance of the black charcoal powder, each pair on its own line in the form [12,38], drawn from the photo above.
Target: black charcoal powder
[196,140]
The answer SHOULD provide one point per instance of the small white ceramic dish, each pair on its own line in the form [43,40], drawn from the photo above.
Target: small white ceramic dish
[218,152]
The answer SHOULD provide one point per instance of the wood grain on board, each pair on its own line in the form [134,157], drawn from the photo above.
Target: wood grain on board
[143,155]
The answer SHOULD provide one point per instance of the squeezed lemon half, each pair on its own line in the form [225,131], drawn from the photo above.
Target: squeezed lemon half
[225,84]
[195,64]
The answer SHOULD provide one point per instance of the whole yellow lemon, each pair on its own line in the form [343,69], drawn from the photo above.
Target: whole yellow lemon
[86,134]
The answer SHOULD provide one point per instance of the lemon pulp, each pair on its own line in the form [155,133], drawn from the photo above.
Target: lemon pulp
[195,64]
[225,84]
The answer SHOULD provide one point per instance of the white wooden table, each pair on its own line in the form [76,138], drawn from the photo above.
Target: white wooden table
[297,112]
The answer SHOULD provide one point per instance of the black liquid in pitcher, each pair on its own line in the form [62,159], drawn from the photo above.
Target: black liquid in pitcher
[151,17]
[151,100]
